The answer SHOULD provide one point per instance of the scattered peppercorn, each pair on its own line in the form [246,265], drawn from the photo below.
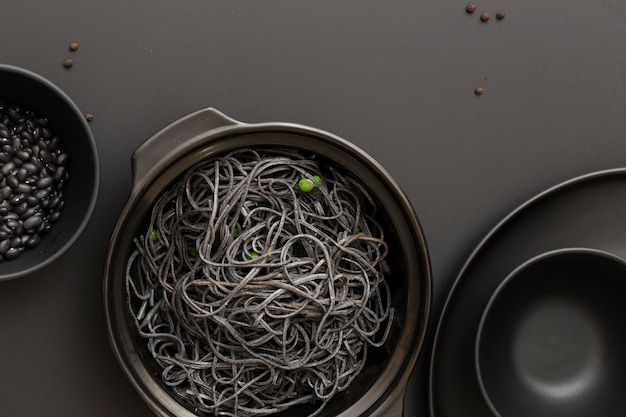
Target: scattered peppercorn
[89,117]
[73,46]
[68,63]
[479,90]
[500,15]
[485,16]
[470,8]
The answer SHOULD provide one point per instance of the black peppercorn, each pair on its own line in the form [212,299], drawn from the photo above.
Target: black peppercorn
[485,16]
[470,8]
[68,63]
[479,90]
[89,117]
[500,15]
[73,46]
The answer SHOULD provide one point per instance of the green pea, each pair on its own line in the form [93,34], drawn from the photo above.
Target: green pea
[357,230]
[306,184]
[193,253]
[155,234]
[254,254]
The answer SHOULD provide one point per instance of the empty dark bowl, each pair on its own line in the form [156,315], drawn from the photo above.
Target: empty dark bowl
[552,338]
[32,92]
[380,387]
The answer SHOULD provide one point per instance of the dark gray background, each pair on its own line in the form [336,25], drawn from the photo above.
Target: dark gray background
[394,77]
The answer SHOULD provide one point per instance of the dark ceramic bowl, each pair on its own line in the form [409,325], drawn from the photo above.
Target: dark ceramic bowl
[552,338]
[379,390]
[32,92]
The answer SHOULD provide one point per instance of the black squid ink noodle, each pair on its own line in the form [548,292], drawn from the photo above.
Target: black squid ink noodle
[259,283]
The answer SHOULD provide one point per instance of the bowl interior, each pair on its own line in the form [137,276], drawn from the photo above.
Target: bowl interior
[409,279]
[32,92]
[551,340]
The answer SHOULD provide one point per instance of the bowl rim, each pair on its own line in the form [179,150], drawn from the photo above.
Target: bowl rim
[94,192]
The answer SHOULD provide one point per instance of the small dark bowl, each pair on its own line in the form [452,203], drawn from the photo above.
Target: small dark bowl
[552,338]
[32,92]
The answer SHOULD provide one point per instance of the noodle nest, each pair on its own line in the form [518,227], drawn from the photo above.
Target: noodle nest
[254,294]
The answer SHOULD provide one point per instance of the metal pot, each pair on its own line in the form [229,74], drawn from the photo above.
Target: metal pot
[380,388]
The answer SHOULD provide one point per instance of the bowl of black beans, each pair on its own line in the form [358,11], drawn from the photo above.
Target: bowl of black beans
[49,172]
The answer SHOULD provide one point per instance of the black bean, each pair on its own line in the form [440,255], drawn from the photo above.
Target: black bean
[32,200]
[45,182]
[12,181]
[4,157]
[54,216]
[41,194]
[8,168]
[5,208]
[28,213]
[37,163]
[54,201]
[33,241]
[5,244]
[17,199]
[29,167]
[54,144]
[42,121]
[62,158]
[12,253]
[5,192]
[59,174]
[45,156]
[24,188]
[4,235]
[16,241]
[37,133]
[21,174]
[22,154]
[26,136]
[12,224]
[33,222]
[44,228]
[8,149]
[21,208]
[46,133]
[51,168]
[14,114]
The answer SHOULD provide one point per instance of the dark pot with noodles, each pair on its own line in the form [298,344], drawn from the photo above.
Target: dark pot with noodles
[265,269]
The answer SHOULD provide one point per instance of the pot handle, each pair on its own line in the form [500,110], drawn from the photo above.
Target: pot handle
[159,147]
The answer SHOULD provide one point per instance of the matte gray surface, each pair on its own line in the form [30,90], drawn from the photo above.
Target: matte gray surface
[394,77]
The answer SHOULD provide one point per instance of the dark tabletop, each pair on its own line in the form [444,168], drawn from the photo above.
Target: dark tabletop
[397,78]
